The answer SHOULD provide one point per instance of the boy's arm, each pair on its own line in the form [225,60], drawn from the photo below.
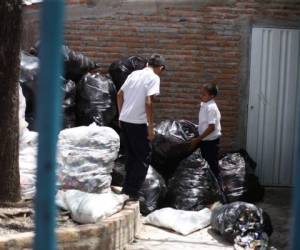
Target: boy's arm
[196,141]
[210,129]
[149,112]
[120,100]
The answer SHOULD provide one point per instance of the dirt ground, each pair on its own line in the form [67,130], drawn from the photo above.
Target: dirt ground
[21,219]
[277,203]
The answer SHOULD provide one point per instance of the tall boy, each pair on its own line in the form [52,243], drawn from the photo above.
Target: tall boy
[135,106]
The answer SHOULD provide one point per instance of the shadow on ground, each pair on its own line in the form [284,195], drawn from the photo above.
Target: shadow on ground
[278,204]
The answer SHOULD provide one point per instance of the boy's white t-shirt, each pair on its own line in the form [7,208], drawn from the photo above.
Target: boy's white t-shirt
[138,85]
[209,114]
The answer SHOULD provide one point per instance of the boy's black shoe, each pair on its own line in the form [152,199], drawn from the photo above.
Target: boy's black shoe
[133,198]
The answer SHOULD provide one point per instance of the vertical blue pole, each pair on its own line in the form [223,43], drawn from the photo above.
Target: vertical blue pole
[295,229]
[296,201]
[48,121]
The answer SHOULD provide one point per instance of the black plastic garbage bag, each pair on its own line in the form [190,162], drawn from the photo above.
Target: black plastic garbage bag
[183,130]
[29,68]
[96,101]
[193,185]
[172,144]
[238,179]
[152,192]
[119,172]
[119,70]
[68,104]
[254,190]
[76,64]
[243,224]
[28,80]
[233,172]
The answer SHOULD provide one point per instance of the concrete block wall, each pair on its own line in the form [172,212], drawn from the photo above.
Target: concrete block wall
[203,41]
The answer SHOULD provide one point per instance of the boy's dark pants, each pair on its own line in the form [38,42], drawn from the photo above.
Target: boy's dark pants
[210,151]
[138,156]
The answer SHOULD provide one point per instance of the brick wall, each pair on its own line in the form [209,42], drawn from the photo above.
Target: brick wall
[203,41]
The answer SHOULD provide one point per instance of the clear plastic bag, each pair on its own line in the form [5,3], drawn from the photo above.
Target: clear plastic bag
[85,158]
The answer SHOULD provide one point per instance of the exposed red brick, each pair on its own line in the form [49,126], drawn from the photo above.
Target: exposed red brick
[201,44]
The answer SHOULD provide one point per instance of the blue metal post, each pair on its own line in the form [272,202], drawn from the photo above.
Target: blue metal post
[295,229]
[296,201]
[48,121]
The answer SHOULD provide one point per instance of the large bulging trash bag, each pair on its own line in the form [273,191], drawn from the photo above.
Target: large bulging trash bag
[29,68]
[28,80]
[172,144]
[233,171]
[28,145]
[96,101]
[193,185]
[119,70]
[152,192]
[76,64]
[238,179]
[69,104]
[85,158]
[254,190]
[119,172]
[243,224]
[28,142]
[22,107]
[182,129]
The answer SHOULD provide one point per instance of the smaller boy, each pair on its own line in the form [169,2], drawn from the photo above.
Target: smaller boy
[209,127]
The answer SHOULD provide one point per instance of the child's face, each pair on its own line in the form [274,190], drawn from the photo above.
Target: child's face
[205,96]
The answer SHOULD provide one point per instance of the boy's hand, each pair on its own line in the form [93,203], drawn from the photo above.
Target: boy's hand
[195,142]
[151,133]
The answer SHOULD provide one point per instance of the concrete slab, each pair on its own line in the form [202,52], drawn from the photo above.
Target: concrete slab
[277,203]
[155,238]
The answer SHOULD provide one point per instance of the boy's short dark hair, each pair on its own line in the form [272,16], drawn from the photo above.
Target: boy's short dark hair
[212,89]
[156,60]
